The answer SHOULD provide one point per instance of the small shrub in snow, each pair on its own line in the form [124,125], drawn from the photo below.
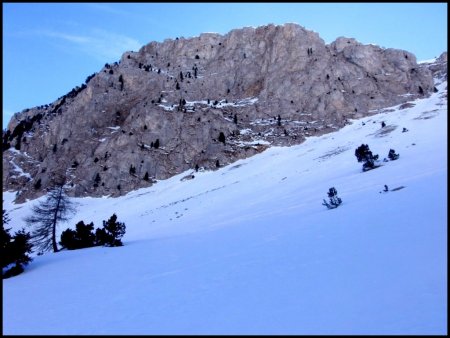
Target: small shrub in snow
[82,237]
[392,155]
[111,233]
[363,154]
[334,202]
[14,249]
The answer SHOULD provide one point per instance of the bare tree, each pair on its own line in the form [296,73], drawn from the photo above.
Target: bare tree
[47,214]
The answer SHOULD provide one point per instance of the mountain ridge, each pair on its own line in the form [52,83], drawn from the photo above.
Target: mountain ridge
[202,102]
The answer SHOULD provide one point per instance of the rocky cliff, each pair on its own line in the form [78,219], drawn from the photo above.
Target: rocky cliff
[200,103]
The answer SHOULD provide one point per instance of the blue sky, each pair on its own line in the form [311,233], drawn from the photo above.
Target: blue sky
[48,49]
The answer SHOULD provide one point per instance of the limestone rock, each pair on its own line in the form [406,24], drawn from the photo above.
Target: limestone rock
[161,110]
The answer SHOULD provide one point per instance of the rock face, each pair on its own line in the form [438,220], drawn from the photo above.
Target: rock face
[202,102]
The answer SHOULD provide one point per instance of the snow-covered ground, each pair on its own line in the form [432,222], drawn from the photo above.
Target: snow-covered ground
[250,249]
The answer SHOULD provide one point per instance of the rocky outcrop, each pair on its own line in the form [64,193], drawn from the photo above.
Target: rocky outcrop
[200,103]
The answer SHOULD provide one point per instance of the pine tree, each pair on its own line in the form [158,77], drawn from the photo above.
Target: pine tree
[56,208]
[392,155]
[82,237]
[97,180]
[121,82]
[14,249]
[38,184]
[222,137]
[111,233]
[363,154]
[335,201]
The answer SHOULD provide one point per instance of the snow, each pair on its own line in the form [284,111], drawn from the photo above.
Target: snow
[114,129]
[427,61]
[250,249]
[222,103]
[19,170]
[252,143]
[167,108]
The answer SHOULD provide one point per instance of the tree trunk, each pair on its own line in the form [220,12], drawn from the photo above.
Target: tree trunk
[55,219]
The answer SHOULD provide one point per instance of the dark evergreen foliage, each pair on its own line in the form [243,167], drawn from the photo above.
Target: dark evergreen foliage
[335,201]
[82,237]
[156,144]
[222,137]
[363,154]
[97,180]
[111,233]
[38,184]
[21,128]
[14,249]
[89,78]
[121,82]
[392,155]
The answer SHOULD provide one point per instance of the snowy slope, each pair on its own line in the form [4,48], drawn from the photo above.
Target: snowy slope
[249,249]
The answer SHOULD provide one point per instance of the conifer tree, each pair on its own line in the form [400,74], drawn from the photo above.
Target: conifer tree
[111,233]
[56,208]
[82,237]
[222,137]
[363,154]
[392,155]
[14,249]
[335,201]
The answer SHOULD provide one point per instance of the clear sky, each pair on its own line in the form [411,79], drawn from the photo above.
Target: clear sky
[48,49]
